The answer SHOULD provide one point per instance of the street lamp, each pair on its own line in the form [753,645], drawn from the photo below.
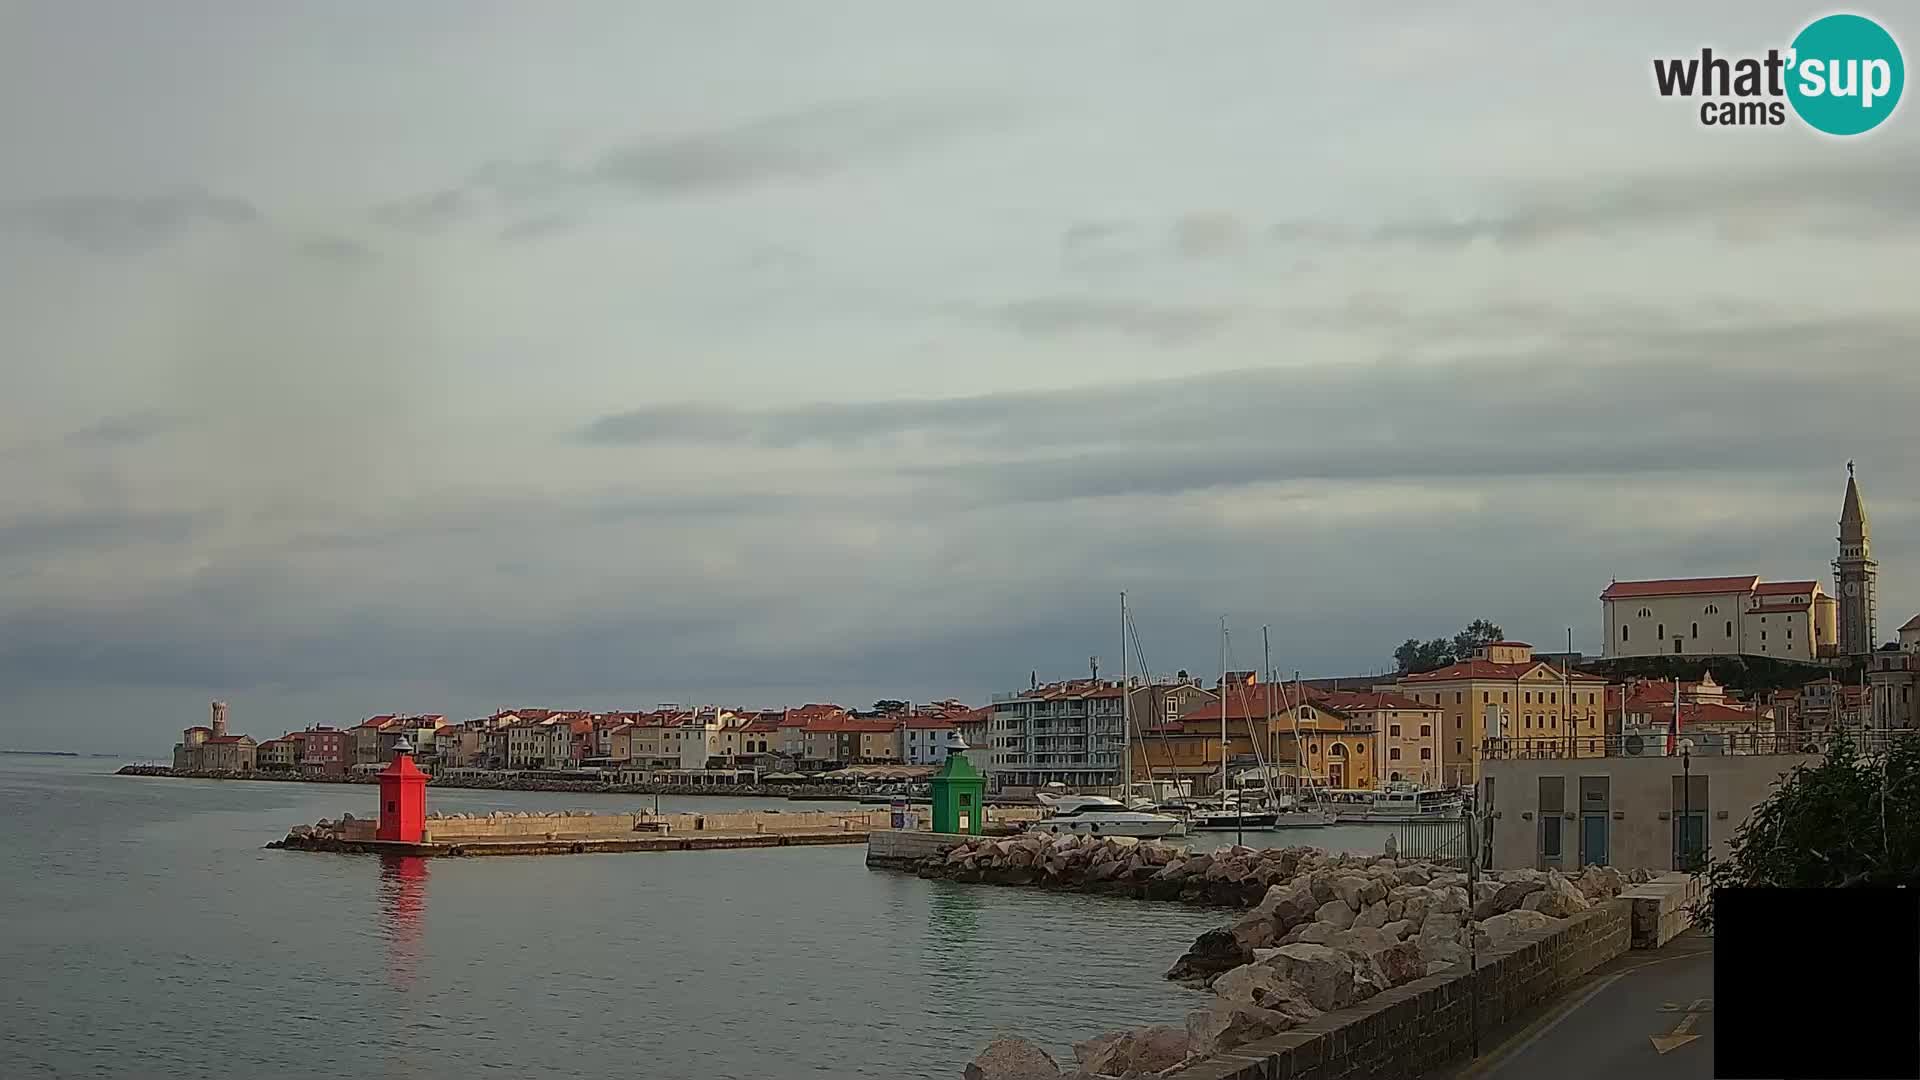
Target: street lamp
[1686,803]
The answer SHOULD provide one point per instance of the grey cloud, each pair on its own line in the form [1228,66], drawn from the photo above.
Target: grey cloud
[423,213]
[1874,193]
[1209,235]
[127,429]
[336,249]
[117,224]
[1161,323]
[535,227]
[92,529]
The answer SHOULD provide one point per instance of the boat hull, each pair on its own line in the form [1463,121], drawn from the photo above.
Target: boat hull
[1145,830]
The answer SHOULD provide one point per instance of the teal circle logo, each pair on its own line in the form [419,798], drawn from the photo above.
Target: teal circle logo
[1845,74]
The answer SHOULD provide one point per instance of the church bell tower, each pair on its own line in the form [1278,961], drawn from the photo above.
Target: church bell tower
[1853,574]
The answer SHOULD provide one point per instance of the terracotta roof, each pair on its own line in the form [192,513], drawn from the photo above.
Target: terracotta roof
[1357,700]
[1770,588]
[848,725]
[1253,705]
[929,723]
[1708,713]
[1509,645]
[1621,590]
[1487,669]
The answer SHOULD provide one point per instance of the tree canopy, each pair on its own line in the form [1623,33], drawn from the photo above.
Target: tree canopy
[889,706]
[1415,656]
[1850,821]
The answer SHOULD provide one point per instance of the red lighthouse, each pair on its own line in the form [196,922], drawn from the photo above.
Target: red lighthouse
[403,797]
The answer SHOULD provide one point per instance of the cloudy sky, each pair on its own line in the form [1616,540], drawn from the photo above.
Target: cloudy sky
[443,356]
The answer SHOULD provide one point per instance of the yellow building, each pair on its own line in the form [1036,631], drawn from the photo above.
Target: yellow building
[1406,733]
[1308,739]
[1504,692]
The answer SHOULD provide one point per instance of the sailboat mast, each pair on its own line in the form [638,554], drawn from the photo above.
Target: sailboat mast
[1266,723]
[1126,712]
[1223,709]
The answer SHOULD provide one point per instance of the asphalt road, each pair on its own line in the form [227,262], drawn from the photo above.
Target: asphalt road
[1647,1015]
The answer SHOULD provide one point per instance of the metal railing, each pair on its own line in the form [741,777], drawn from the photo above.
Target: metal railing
[1443,840]
[1703,743]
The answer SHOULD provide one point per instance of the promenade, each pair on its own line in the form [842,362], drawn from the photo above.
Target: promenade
[1648,1015]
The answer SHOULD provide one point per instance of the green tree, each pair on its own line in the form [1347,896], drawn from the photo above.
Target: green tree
[1478,634]
[1850,821]
[1415,656]
[889,706]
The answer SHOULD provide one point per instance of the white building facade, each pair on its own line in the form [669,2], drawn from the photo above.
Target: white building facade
[1726,616]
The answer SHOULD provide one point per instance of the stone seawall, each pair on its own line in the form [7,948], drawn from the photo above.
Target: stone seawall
[1424,1025]
[521,783]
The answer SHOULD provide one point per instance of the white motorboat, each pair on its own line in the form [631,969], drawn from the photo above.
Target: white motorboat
[1097,815]
[1395,804]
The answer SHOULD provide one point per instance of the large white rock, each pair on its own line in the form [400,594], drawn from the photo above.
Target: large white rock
[1349,889]
[1374,916]
[1494,932]
[1560,899]
[1336,912]
[1323,974]
[1223,1025]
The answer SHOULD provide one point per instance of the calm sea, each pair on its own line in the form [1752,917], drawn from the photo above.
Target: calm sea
[144,932]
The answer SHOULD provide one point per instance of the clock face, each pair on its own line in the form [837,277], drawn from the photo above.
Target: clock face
[1853,588]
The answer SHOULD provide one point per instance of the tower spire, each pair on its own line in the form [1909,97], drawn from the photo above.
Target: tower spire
[1855,573]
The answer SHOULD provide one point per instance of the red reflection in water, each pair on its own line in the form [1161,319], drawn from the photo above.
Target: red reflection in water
[403,901]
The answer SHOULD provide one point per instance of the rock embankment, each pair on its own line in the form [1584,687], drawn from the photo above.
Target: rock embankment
[1119,865]
[1326,931]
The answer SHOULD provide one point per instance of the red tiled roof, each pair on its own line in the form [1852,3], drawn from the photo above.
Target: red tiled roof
[929,723]
[1509,645]
[1253,704]
[1770,588]
[1487,669]
[848,725]
[1358,700]
[1620,590]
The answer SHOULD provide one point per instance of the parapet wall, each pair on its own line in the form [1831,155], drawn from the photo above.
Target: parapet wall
[1662,908]
[503,827]
[1426,1025]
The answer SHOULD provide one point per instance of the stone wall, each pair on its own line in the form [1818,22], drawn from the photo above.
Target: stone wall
[1424,1025]
[1662,908]
[904,850]
[502,827]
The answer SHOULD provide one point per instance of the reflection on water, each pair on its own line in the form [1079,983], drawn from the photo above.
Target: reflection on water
[403,901]
[776,964]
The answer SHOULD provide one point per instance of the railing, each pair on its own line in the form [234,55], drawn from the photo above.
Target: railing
[1703,744]
[1443,840]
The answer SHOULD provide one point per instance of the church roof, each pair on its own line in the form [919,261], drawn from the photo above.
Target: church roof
[1853,511]
[1911,624]
[1621,590]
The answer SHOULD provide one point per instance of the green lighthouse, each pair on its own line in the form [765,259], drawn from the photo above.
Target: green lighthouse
[959,792]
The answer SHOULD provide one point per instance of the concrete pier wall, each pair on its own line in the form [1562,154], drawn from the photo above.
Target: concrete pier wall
[503,828]
[1662,908]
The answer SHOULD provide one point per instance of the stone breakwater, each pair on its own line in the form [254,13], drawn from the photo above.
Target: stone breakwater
[523,783]
[1324,932]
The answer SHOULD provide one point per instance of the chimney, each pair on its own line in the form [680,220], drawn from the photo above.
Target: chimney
[219,718]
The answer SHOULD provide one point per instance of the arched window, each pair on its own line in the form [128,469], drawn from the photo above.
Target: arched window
[1646,613]
[1729,628]
[1395,778]
[1696,629]
[1713,609]
[1623,633]
[1337,750]
[1660,630]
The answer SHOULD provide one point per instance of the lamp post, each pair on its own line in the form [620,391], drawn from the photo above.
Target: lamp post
[1686,803]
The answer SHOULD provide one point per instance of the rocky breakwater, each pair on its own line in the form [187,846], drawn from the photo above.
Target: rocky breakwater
[1119,865]
[1332,931]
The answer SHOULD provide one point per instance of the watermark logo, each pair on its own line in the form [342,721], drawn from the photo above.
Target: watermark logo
[1842,75]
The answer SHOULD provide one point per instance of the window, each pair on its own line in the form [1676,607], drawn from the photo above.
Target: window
[1763,633]
[1393,730]
[1426,753]
[1393,753]
[1395,777]
[1553,698]
[1483,697]
[1646,613]
[1503,697]
[1713,609]
[1789,633]
[1696,629]
[1426,731]
[1456,748]
[1623,633]
[1660,630]
[1729,628]
[1527,698]
[1338,750]
[1457,696]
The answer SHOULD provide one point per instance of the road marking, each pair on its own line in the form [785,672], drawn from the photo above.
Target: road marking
[1682,1033]
[1497,1057]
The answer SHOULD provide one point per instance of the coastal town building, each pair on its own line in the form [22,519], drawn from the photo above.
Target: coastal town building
[1071,732]
[1406,732]
[278,755]
[324,751]
[1856,575]
[211,748]
[1504,692]
[1725,616]
[1893,683]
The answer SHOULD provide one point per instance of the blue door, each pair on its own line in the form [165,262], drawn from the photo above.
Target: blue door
[1593,839]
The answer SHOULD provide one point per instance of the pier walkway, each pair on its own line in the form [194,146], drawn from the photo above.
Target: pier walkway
[1648,1015]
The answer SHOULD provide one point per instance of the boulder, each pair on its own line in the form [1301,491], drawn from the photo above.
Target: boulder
[1374,916]
[1254,930]
[1511,895]
[1397,929]
[1011,1058]
[1132,1053]
[1349,889]
[1224,1025]
[1335,912]
[1495,931]
[1601,882]
[1323,974]
[1212,954]
[1401,962]
[1446,952]
[1263,985]
[1413,875]
[1559,899]
[1451,899]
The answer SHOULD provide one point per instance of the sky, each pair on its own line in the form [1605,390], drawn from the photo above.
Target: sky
[446,356]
